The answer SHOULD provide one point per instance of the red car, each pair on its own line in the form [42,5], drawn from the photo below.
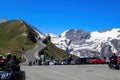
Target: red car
[118,60]
[97,61]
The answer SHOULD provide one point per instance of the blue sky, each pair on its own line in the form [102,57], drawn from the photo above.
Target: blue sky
[56,16]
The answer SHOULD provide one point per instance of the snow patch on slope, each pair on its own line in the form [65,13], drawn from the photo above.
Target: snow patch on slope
[42,36]
[104,36]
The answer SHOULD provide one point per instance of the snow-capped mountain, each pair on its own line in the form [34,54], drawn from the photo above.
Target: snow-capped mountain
[89,44]
[3,20]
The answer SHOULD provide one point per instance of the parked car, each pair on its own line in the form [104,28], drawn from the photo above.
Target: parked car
[55,62]
[97,61]
[118,60]
[90,58]
[64,62]
[84,60]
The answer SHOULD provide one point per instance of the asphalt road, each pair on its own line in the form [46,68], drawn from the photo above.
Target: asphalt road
[32,55]
[71,72]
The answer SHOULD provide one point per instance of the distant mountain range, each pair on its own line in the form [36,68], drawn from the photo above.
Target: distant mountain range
[16,34]
[89,44]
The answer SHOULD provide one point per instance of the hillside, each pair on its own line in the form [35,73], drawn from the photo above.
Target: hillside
[16,35]
[51,51]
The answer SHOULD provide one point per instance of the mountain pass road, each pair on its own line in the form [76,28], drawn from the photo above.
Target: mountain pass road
[30,55]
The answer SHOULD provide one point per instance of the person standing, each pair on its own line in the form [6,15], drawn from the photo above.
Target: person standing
[42,59]
[113,59]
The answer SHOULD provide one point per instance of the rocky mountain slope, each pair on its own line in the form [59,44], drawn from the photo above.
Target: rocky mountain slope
[89,44]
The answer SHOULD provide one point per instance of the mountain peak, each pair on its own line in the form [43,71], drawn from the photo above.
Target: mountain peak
[15,34]
[81,43]
[75,34]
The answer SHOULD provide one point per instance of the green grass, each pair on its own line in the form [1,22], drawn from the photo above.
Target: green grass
[52,50]
[13,38]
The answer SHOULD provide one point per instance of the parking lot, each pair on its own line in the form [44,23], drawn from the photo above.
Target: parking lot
[71,72]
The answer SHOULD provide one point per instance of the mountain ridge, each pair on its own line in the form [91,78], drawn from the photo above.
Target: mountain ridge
[16,34]
[74,41]
[88,44]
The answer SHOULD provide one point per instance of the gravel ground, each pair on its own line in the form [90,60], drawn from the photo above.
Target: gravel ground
[71,72]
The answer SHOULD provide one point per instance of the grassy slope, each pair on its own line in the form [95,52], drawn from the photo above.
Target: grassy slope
[55,52]
[12,36]
[52,50]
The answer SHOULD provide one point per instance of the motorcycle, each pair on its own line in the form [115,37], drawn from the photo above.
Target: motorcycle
[17,75]
[113,65]
[11,71]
